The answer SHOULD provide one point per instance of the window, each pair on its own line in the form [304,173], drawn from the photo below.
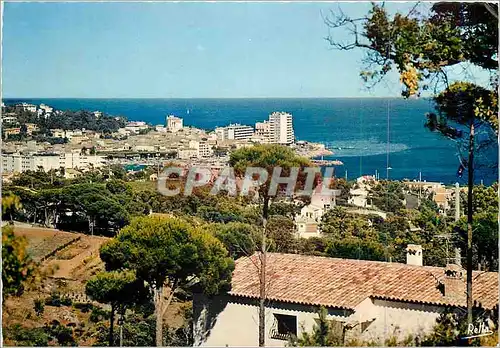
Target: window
[284,327]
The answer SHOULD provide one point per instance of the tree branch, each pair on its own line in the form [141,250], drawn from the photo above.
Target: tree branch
[491,10]
[170,297]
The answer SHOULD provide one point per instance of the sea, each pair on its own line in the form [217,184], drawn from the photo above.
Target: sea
[383,136]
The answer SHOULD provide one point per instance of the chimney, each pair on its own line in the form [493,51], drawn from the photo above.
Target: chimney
[414,255]
[454,282]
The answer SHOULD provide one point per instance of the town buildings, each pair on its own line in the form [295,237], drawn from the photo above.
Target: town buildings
[360,193]
[365,300]
[9,118]
[174,124]
[140,142]
[234,132]
[309,219]
[440,194]
[202,148]
[262,130]
[136,126]
[281,128]
[18,162]
[25,107]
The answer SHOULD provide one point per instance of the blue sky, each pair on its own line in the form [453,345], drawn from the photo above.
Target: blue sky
[179,50]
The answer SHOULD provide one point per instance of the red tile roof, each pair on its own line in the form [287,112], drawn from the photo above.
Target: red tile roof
[344,283]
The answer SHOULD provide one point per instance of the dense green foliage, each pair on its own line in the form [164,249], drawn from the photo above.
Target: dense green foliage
[188,256]
[323,335]
[10,204]
[17,266]
[68,120]
[87,207]
[387,196]
[370,237]
[50,334]
[186,251]
[269,157]
[118,289]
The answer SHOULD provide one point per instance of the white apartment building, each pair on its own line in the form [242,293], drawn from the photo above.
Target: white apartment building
[202,147]
[219,132]
[186,153]
[234,132]
[136,127]
[174,123]
[23,162]
[46,109]
[25,107]
[281,128]
[262,130]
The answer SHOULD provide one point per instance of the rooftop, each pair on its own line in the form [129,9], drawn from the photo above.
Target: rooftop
[344,283]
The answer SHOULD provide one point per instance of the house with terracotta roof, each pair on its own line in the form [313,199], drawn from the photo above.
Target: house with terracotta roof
[307,222]
[367,300]
[441,197]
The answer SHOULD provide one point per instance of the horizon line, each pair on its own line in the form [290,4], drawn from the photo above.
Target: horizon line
[347,97]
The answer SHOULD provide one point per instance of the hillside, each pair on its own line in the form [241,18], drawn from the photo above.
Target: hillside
[66,261]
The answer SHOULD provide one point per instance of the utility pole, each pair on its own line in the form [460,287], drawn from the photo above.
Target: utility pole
[262,275]
[419,187]
[470,187]
[388,140]
[457,202]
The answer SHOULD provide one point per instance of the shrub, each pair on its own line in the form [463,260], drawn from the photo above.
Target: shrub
[83,307]
[66,301]
[53,300]
[63,335]
[39,306]
[35,337]
[98,314]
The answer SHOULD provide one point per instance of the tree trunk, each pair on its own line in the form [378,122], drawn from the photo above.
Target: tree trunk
[158,299]
[160,308]
[122,320]
[262,280]
[111,325]
[470,168]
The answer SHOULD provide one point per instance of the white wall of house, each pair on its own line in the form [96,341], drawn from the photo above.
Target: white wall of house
[237,321]
[324,200]
[307,229]
[398,319]
[311,213]
[230,321]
